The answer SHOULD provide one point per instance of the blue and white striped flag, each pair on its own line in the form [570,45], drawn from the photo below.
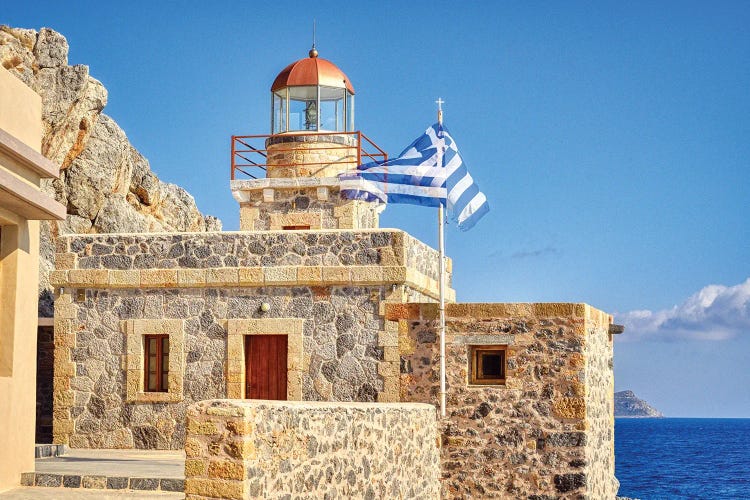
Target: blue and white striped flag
[429,172]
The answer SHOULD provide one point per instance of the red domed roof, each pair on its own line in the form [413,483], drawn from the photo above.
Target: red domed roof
[312,71]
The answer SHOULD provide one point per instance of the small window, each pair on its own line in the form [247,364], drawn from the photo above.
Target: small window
[157,363]
[294,228]
[487,365]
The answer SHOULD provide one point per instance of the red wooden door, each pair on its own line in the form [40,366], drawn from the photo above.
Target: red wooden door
[265,366]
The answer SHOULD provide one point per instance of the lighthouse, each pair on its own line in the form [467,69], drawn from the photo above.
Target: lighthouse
[288,179]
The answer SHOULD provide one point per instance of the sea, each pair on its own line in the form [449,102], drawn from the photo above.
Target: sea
[683,458]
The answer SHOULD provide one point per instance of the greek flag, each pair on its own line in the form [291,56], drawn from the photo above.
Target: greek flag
[429,172]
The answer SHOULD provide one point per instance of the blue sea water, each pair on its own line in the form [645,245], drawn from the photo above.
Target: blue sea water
[683,458]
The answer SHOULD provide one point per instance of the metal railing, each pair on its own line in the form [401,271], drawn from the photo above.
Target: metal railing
[250,155]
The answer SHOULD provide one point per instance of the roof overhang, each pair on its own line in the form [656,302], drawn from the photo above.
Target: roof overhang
[20,196]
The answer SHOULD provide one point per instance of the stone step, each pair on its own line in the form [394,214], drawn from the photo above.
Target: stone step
[48,480]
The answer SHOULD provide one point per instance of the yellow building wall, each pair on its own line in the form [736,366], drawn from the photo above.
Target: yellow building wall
[20,115]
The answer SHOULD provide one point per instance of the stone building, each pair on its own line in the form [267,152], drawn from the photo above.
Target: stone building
[312,301]
[22,206]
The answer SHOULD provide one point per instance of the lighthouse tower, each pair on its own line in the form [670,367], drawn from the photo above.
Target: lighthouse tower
[288,179]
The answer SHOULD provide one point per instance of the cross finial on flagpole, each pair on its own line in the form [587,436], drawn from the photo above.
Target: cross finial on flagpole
[440,103]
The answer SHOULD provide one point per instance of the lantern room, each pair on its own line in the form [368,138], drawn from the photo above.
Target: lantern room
[312,95]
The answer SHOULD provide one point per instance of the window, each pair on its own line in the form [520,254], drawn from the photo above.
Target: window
[294,228]
[157,363]
[487,365]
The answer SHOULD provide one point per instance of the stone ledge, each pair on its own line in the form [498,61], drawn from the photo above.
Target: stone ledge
[428,311]
[252,277]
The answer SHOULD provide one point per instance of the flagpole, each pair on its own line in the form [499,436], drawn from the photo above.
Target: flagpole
[441,306]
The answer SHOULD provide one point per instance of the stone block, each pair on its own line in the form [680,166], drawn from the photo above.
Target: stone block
[195,467]
[58,278]
[197,427]
[388,257]
[66,311]
[574,408]
[388,369]
[94,482]
[48,480]
[391,354]
[144,483]
[224,276]
[193,448]
[281,275]
[226,469]
[159,278]
[67,260]
[234,390]
[294,344]
[128,278]
[248,216]
[294,385]
[309,275]
[177,485]
[394,312]
[388,338]
[394,274]
[111,482]
[71,481]
[191,277]
[335,275]
[93,278]
[251,276]
[366,275]
[232,490]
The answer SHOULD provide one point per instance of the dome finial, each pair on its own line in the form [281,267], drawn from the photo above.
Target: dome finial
[313,51]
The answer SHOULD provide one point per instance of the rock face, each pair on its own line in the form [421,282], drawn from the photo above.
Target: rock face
[104,181]
[627,404]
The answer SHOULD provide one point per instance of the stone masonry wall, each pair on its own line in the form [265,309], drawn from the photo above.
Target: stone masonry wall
[261,449]
[195,286]
[243,249]
[340,346]
[600,414]
[547,432]
[305,155]
[303,206]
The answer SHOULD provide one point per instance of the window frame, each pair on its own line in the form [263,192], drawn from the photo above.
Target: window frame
[476,364]
[162,372]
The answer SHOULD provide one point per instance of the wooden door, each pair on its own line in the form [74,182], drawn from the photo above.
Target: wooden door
[265,366]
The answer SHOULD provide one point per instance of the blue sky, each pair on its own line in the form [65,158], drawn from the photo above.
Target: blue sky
[611,139]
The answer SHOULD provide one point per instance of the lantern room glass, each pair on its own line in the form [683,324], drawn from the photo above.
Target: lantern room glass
[312,108]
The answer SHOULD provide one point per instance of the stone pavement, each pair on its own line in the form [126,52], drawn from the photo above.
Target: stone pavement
[123,463]
[158,474]
[37,493]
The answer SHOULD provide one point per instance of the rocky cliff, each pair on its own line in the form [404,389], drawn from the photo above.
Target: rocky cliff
[106,184]
[627,404]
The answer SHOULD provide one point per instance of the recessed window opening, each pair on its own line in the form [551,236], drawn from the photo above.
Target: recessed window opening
[487,365]
[157,363]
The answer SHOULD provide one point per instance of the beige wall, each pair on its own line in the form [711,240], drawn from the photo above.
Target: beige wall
[20,115]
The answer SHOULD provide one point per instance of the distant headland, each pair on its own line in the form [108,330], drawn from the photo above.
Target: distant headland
[628,405]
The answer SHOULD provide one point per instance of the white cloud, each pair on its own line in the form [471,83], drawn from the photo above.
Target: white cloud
[716,312]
